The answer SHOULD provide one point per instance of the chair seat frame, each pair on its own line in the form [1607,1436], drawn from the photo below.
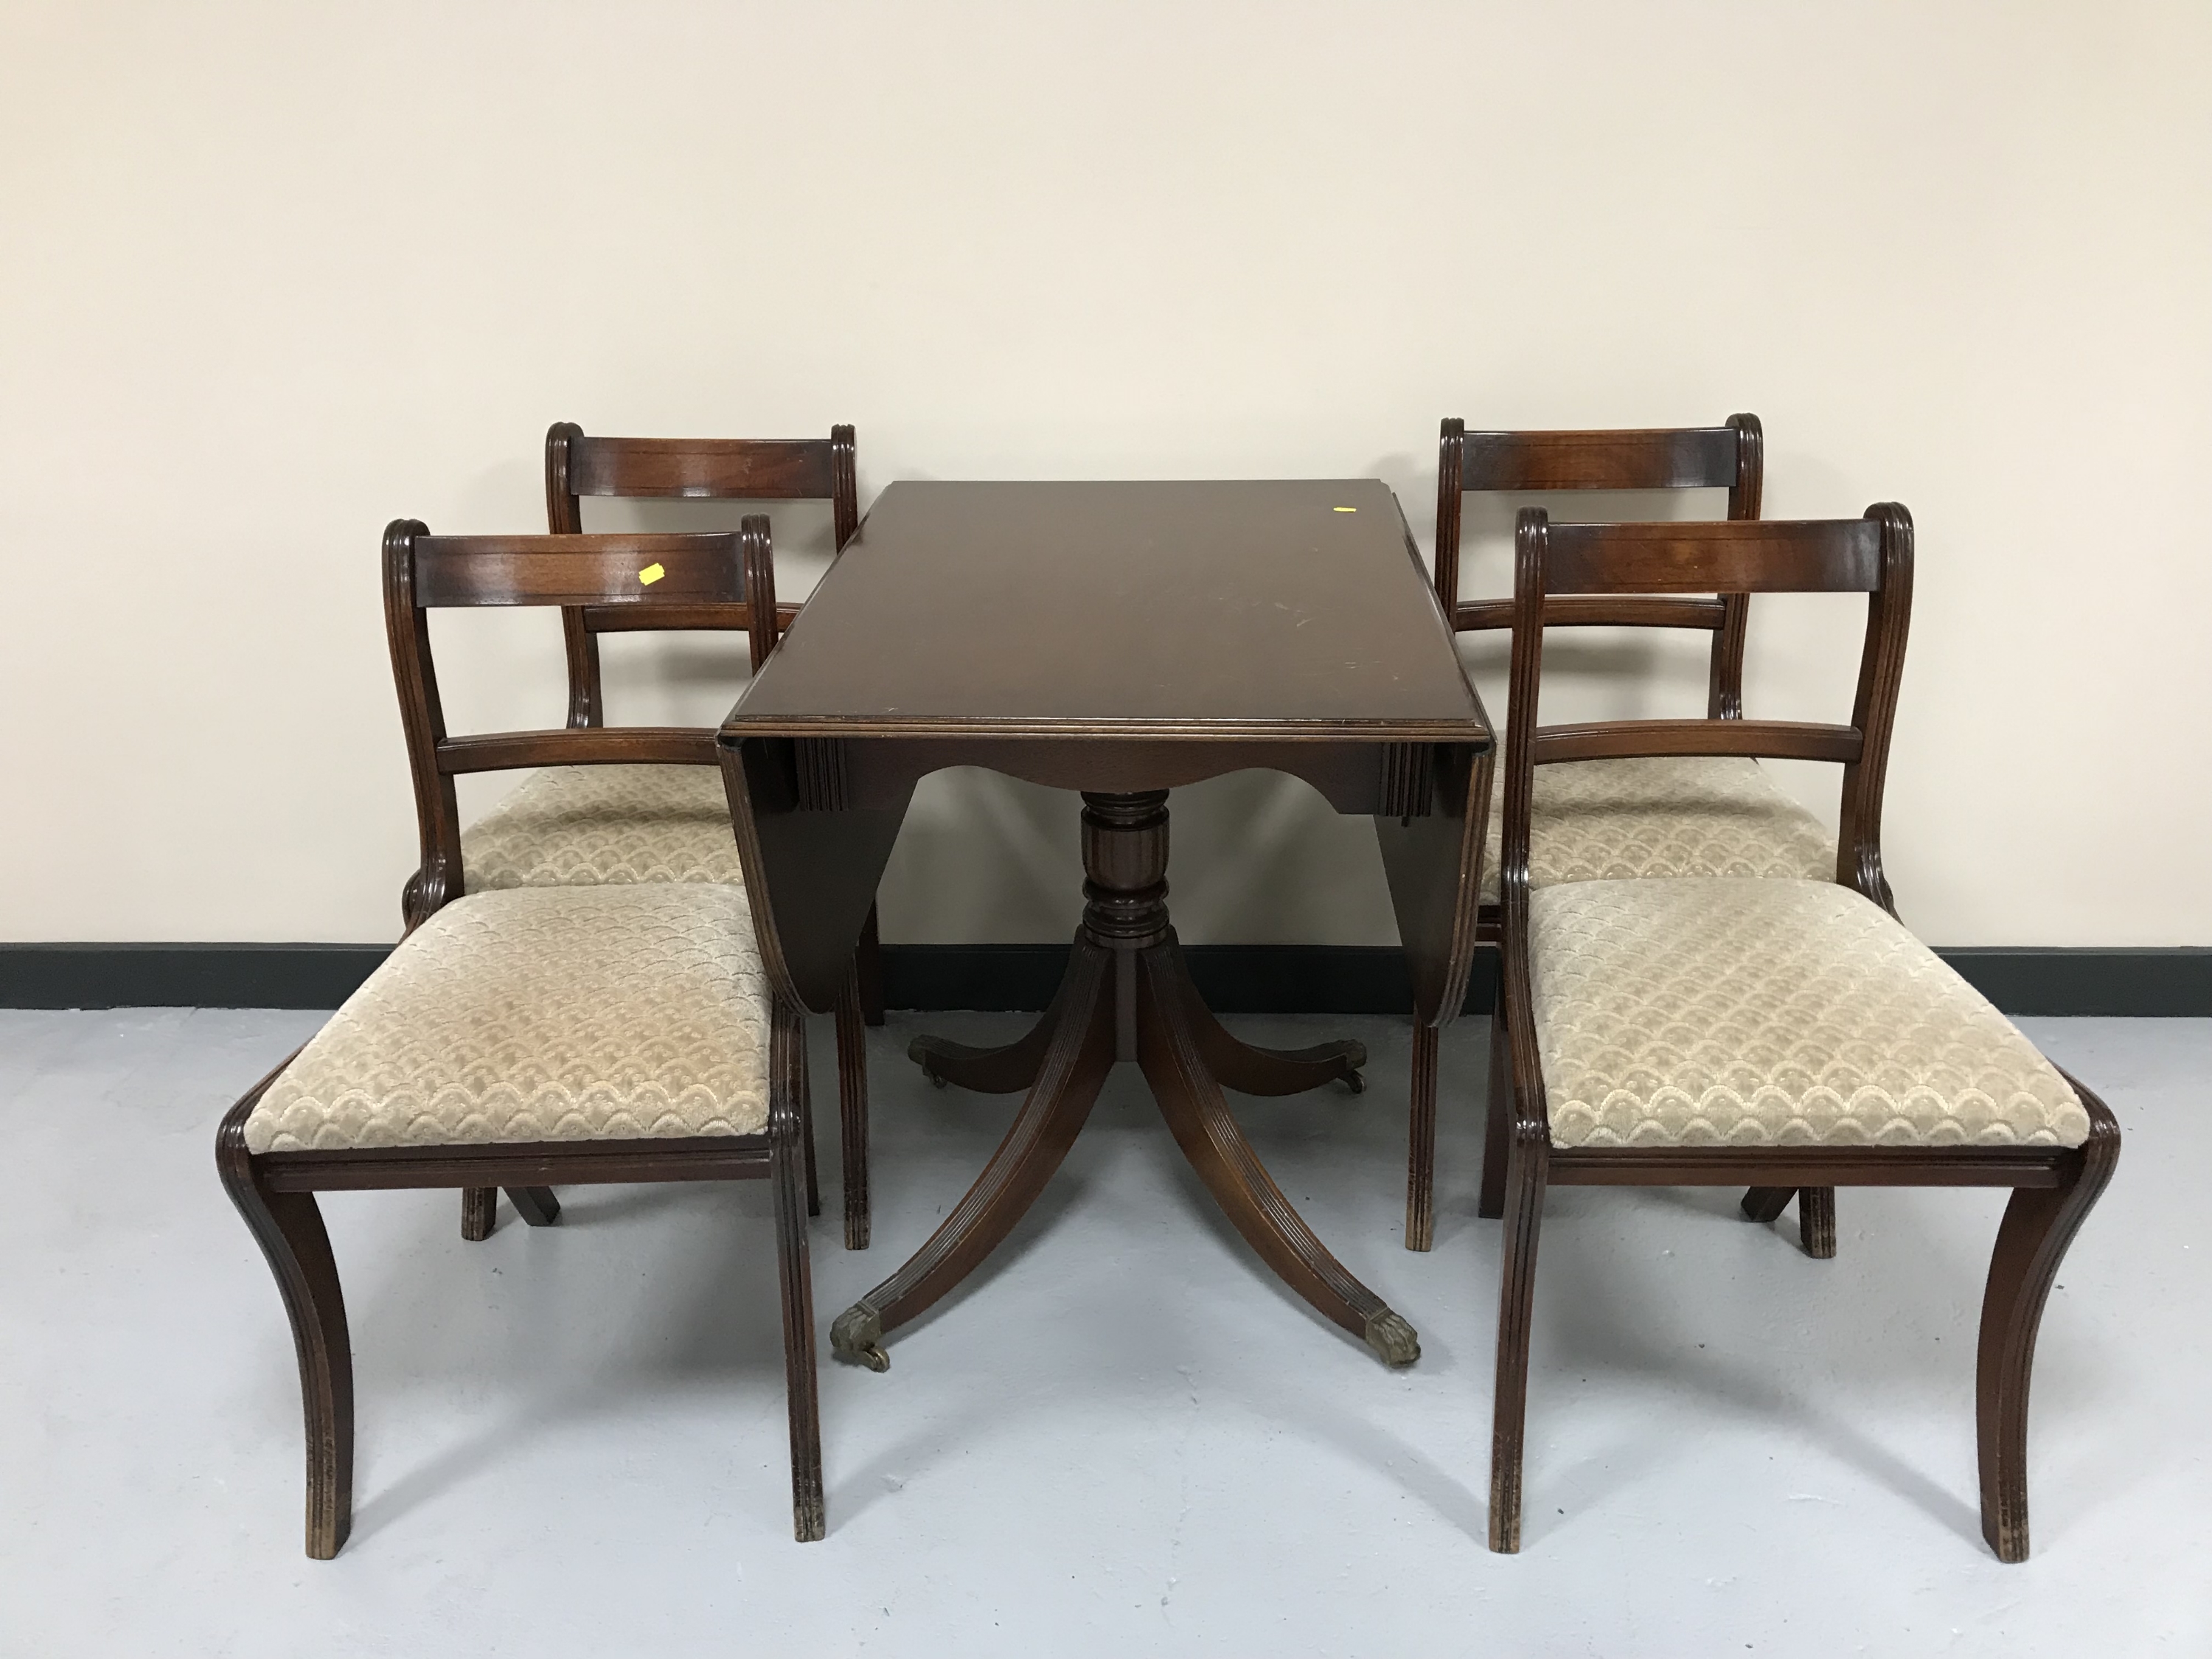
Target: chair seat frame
[2053,1190]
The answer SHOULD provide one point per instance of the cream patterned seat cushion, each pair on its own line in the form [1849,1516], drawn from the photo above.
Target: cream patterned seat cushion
[1689,815]
[1748,1012]
[572,826]
[544,1014]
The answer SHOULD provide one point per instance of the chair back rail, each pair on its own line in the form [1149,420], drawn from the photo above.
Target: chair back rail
[631,571]
[677,618]
[1679,458]
[1761,557]
[578,464]
[769,469]
[1871,554]
[1609,610]
[643,575]
[1774,739]
[1730,457]
[570,745]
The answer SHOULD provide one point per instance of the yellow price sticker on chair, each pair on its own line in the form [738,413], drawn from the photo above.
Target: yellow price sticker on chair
[1343,509]
[650,574]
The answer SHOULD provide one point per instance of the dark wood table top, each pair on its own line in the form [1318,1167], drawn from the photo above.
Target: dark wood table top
[1293,610]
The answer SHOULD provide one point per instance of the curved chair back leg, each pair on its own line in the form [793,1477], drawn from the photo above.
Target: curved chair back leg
[2038,1224]
[288,1227]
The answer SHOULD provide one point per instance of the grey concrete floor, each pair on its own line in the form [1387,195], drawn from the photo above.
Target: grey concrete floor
[1121,1436]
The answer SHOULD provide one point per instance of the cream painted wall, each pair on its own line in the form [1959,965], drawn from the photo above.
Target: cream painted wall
[271,275]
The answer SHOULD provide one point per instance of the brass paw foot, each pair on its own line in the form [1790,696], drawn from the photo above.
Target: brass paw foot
[1393,1340]
[918,1051]
[858,1333]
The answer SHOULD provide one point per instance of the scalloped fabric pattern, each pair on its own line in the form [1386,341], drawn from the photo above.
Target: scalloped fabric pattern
[542,1014]
[1671,815]
[1736,1011]
[590,826]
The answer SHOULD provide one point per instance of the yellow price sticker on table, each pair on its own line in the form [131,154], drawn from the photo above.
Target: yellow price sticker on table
[650,574]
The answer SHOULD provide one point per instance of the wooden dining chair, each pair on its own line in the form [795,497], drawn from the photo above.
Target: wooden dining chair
[1783,1032]
[650,821]
[697,468]
[647,805]
[534,1035]
[1673,815]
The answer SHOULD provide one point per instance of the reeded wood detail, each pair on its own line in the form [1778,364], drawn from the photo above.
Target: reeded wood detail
[758,553]
[852,1111]
[790,1141]
[1816,1221]
[1421,1143]
[1409,781]
[479,1212]
[821,775]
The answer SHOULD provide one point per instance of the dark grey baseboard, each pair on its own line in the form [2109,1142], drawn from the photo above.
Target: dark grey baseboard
[1237,979]
[2089,979]
[184,975]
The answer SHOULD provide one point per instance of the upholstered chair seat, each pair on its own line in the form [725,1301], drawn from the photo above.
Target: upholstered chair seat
[1745,1012]
[1677,815]
[596,825]
[542,1014]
